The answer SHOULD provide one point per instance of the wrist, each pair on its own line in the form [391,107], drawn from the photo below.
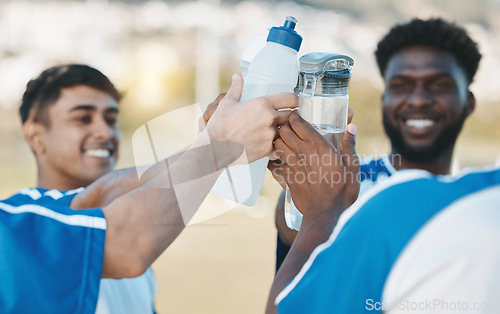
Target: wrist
[223,151]
[214,133]
[318,224]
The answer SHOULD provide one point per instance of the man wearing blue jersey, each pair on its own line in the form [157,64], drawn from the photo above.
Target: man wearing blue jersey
[53,256]
[427,67]
[415,243]
[418,242]
[78,106]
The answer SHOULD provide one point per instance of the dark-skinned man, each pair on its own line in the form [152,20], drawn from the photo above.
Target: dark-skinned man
[427,67]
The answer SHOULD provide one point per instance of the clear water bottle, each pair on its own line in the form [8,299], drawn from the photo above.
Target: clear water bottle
[324,102]
[273,70]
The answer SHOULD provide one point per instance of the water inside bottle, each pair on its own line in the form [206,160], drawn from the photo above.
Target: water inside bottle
[332,135]
[326,113]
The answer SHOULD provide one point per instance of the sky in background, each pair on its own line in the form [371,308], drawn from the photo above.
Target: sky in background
[170,54]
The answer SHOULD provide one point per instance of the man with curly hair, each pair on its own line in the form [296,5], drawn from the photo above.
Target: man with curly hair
[427,67]
[419,241]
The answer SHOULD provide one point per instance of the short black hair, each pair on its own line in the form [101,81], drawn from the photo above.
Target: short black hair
[46,88]
[436,33]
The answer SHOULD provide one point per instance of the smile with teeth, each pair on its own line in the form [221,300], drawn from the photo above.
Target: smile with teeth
[420,123]
[98,153]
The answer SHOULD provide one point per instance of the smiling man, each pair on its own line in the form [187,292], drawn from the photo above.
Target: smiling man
[61,243]
[427,67]
[69,116]
[419,242]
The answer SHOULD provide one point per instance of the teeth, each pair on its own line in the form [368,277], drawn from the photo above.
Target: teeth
[419,123]
[99,153]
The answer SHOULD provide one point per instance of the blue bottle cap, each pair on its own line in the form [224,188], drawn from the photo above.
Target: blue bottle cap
[286,35]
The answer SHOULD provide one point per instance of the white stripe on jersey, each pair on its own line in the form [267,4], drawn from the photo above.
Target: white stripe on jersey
[33,193]
[55,194]
[74,220]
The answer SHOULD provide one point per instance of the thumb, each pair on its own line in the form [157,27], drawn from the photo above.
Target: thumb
[350,114]
[234,93]
[348,146]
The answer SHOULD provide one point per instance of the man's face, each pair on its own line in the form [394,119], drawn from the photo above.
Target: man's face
[83,138]
[425,102]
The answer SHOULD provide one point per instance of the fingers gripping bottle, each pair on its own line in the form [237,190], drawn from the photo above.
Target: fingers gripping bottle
[273,70]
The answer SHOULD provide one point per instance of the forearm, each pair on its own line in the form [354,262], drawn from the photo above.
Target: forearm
[145,221]
[313,232]
[119,182]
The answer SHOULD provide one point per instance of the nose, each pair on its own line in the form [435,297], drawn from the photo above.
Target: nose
[102,131]
[420,97]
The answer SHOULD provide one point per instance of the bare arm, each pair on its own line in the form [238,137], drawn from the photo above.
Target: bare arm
[146,220]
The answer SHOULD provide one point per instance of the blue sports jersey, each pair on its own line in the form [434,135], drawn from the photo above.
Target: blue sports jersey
[51,260]
[348,273]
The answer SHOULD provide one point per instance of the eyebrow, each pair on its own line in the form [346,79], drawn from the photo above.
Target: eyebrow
[93,108]
[433,75]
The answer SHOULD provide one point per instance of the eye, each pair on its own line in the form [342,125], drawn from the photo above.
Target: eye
[399,86]
[111,121]
[86,119]
[442,85]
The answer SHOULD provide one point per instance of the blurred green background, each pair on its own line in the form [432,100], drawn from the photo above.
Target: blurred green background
[170,54]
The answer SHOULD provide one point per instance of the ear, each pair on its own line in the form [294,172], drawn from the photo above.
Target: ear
[471,103]
[34,135]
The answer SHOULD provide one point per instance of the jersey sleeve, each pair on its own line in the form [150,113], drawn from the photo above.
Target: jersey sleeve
[51,259]
[451,265]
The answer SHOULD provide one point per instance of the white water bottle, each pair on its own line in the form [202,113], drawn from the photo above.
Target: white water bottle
[273,70]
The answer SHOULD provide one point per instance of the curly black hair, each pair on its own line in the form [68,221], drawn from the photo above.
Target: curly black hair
[46,88]
[436,33]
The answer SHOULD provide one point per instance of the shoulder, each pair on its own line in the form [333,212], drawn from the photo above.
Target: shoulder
[409,191]
[28,206]
[37,230]
[455,254]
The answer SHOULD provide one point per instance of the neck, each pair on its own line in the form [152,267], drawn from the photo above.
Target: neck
[57,181]
[438,166]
